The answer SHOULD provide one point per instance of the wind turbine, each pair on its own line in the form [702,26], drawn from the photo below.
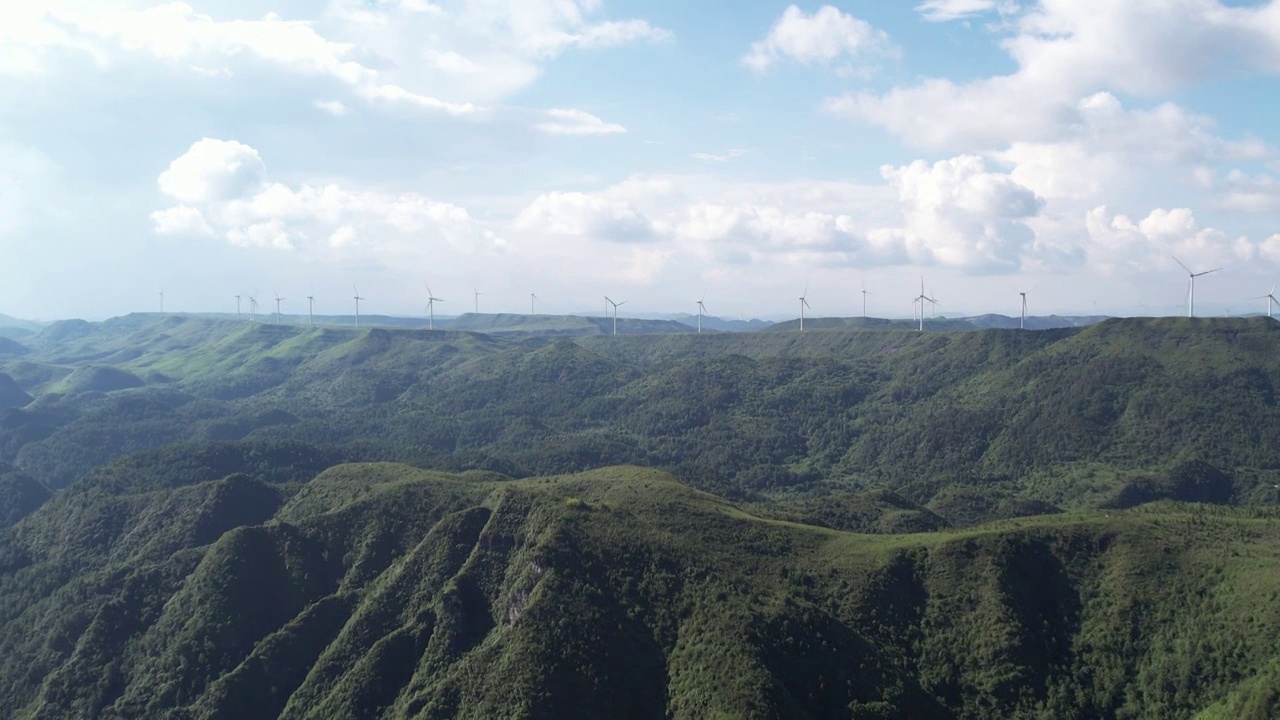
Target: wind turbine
[1191,286]
[311,309]
[161,301]
[1022,323]
[803,304]
[431,308]
[478,294]
[922,299]
[357,299]
[864,298]
[702,309]
[237,307]
[533,303]
[253,308]
[278,301]
[615,312]
[1270,298]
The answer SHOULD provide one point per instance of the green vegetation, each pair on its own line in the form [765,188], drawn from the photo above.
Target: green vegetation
[201,518]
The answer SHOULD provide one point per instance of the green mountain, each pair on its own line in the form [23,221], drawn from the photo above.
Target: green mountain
[205,518]
[378,590]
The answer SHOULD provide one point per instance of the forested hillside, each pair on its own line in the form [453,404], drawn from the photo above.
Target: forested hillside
[206,518]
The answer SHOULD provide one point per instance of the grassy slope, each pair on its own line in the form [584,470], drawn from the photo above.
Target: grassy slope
[379,590]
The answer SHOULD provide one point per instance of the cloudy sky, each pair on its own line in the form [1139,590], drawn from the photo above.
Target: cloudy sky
[652,151]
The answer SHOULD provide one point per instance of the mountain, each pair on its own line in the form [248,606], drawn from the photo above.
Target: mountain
[201,517]
[378,590]
[1068,418]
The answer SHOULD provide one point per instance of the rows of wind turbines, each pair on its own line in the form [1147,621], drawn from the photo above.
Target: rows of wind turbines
[918,303]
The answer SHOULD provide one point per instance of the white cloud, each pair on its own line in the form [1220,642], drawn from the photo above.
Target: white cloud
[224,192]
[963,215]
[725,156]
[474,52]
[828,37]
[1118,244]
[1068,50]
[333,107]
[213,170]
[576,122]
[181,220]
[588,216]
[947,10]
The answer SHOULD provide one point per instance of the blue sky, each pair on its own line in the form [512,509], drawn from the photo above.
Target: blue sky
[649,151]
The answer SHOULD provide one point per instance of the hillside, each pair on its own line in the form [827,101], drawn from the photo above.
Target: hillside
[207,518]
[382,591]
[1101,416]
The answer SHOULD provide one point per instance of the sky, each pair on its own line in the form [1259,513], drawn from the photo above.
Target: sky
[659,152]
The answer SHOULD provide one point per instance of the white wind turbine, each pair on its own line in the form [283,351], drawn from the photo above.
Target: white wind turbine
[804,303]
[278,301]
[253,308]
[357,299]
[702,309]
[1191,286]
[864,297]
[615,312]
[1022,323]
[533,303]
[237,307]
[1270,298]
[311,310]
[478,294]
[161,301]
[921,299]
[431,308]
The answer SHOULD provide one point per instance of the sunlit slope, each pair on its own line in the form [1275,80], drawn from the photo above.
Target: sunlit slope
[377,590]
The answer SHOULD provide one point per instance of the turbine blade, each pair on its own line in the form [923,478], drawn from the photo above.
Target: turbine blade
[1184,267]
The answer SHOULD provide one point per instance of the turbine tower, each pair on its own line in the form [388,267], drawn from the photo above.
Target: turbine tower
[237,307]
[864,298]
[803,304]
[357,299]
[253,308]
[1191,286]
[1270,298]
[162,301]
[615,312]
[1022,322]
[311,310]
[278,301]
[431,308]
[478,294]
[702,309]
[533,303]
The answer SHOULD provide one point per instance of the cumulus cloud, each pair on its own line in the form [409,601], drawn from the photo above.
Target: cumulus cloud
[828,37]
[963,215]
[1118,243]
[213,170]
[563,121]
[224,191]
